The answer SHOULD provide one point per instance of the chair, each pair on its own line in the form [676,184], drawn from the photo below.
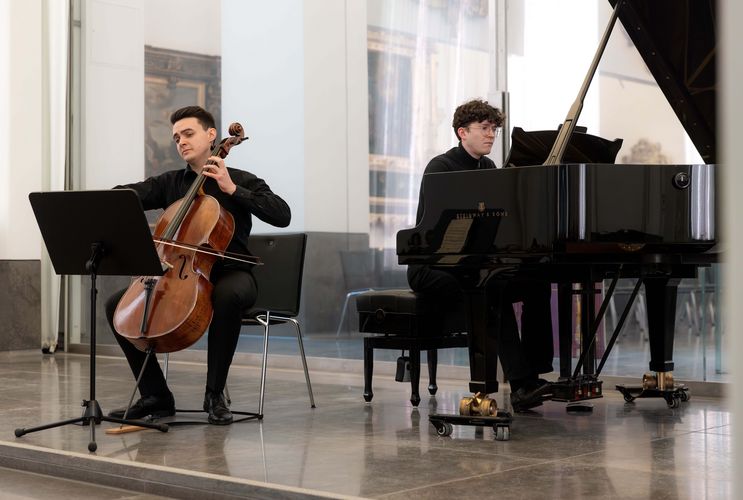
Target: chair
[402,319]
[279,282]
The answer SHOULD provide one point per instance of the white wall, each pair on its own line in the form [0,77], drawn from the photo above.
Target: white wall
[5,201]
[336,117]
[20,126]
[295,77]
[560,40]
[187,25]
[262,88]
[112,92]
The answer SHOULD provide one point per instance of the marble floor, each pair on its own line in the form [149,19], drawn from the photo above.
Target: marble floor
[345,447]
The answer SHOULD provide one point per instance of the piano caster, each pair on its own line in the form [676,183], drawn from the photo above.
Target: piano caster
[478,410]
[502,432]
[657,385]
[479,404]
[443,428]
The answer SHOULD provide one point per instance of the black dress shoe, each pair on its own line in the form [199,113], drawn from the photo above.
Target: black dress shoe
[155,406]
[531,395]
[216,406]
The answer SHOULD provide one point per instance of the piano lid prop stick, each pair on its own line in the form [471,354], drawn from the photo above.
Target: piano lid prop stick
[563,136]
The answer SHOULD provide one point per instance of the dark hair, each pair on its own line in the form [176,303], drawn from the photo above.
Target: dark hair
[476,110]
[204,117]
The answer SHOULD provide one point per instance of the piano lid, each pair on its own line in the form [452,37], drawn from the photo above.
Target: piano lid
[678,40]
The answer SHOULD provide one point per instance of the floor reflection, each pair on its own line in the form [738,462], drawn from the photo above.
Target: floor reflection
[385,448]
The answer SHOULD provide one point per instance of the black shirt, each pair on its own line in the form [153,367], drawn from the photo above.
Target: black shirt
[455,160]
[252,197]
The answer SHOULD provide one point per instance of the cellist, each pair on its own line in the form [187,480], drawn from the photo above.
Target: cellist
[243,195]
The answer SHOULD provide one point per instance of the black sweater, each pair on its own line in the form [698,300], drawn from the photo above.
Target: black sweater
[454,160]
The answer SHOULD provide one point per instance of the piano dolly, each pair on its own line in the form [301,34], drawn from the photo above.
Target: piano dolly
[673,396]
[651,388]
[501,423]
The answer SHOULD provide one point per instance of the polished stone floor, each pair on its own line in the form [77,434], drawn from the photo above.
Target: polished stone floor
[344,447]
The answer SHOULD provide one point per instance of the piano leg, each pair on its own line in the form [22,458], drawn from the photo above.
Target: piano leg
[660,296]
[479,410]
[483,350]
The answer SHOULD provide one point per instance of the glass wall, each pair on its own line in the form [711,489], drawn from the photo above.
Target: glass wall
[624,101]
[423,58]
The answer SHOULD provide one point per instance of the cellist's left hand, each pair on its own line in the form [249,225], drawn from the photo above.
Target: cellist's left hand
[217,170]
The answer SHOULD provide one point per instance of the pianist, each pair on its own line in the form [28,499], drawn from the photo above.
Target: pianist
[476,124]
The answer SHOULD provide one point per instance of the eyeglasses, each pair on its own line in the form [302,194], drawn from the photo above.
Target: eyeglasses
[487,129]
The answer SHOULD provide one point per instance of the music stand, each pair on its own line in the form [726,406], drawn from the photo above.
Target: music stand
[533,147]
[95,233]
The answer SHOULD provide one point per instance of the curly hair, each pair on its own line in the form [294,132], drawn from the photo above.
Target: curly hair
[204,117]
[476,110]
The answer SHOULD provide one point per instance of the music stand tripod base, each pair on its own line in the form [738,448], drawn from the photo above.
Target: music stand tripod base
[92,233]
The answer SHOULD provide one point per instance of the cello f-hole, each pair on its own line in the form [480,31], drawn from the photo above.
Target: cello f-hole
[181,273]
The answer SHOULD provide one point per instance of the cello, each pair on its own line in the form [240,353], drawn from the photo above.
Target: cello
[169,313]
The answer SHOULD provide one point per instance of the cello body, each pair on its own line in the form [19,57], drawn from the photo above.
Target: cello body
[171,312]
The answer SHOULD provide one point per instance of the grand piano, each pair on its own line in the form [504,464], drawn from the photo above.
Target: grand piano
[579,222]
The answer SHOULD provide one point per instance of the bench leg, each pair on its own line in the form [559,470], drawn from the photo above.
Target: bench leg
[433,359]
[415,376]
[368,369]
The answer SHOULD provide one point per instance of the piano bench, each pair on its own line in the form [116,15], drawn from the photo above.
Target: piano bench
[402,319]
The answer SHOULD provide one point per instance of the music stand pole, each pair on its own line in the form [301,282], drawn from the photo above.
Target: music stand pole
[59,215]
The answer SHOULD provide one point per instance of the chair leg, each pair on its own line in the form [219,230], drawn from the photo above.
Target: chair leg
[263,363]
[415,376]
[165,365]
[304,361]
[433,359]
[368,369]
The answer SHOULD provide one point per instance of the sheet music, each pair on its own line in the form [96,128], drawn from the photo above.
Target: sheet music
[455,236]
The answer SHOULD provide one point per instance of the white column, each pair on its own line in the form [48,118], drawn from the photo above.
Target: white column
[20,127]
[730,127]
